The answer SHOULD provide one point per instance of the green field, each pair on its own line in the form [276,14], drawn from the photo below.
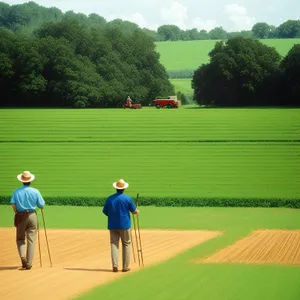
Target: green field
[231,153]
[185,152]
[183,85]
[182,55]
[179,278]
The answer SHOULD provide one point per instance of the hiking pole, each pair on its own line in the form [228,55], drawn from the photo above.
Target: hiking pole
[39,241]
[138,225]
[133,252]
[137,244]
[46,237]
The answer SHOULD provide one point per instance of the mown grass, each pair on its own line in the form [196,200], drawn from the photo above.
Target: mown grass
[181,218]
[181,55]
[179,153]
[183,85]
[152,169]
[148,125]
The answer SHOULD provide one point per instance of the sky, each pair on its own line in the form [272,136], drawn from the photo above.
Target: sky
[232,15]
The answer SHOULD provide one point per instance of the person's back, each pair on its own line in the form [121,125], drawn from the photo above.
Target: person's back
[117,209]
[27,198]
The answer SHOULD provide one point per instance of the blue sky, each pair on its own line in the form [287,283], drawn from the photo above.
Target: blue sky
[201,14]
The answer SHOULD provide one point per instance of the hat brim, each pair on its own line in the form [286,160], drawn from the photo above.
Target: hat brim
[22,180]
[118,188]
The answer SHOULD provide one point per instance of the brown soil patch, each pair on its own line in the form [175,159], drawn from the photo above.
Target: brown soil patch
[262,247]
[81,260]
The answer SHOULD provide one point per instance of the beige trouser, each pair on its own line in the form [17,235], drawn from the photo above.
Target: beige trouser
[115,236]
[28,226]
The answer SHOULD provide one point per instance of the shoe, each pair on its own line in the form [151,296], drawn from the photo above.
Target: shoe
[28,267]
[126,270]
[115,269]
[24,262]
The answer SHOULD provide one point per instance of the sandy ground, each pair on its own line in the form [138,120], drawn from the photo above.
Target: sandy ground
[262,247]
[81,260]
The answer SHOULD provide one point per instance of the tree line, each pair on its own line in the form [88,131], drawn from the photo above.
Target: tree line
[74,60]
[245,72]
[29,16]
[261,30]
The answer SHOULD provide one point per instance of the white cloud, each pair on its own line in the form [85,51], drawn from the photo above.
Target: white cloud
[138,19]
[176,14]
[239,16]
[204,24]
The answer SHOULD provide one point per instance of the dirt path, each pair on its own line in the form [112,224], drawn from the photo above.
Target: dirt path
[262,247]
[81,260]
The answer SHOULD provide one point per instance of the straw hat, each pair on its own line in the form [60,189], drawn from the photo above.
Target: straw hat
[120,184]
[26,176]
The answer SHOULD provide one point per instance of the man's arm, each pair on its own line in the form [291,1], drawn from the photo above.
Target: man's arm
[105,208]
[13,203]
[14,208]
[132,207]
[40,201]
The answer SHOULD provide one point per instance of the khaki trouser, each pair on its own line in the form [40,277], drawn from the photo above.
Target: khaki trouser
[115,236]
[28,227]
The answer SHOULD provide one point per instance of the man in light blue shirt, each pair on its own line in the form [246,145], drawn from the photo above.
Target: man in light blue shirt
[24,201]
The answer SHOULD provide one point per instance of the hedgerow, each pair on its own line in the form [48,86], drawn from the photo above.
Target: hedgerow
[173,202]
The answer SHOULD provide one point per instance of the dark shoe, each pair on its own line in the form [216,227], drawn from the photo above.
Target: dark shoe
[24,262]
[28,267]
[126,270]
[115,269]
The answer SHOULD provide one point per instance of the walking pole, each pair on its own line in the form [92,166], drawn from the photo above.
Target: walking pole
[138,225]
[46,237]
[137,244]
[39,241]
[133,252]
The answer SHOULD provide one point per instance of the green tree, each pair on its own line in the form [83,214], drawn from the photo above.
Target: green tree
[236,73]
[290,67]
[203,35]
[261,30]
[153,35]
[169,32]
[218,33]
[289,29]
[76,60]
[194,34]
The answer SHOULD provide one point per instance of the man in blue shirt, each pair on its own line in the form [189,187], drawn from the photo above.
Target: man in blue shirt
[24,201]
[117,208]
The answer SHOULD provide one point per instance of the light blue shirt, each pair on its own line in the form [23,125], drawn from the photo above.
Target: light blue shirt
[27,198]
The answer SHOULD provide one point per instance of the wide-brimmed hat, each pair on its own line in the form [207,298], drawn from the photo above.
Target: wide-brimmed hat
[26,176]
[120,184]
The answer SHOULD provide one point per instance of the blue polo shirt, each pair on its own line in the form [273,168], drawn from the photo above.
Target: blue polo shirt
[27,198]
[117,208]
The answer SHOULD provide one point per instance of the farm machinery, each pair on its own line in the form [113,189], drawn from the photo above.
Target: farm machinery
[170,102]
[129,104]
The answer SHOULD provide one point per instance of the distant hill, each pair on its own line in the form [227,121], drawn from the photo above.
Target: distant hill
[181,55]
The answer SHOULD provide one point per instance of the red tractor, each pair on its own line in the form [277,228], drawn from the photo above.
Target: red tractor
[169,103]
[129,104]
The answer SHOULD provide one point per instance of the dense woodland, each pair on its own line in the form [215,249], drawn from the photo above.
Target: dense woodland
[52,59]
[245,72]
[49,58]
